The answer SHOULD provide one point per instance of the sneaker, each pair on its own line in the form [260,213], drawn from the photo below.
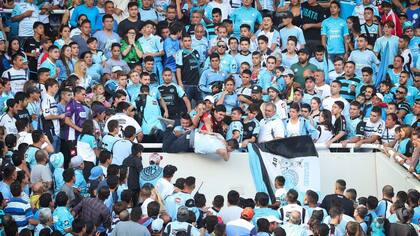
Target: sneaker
[167,122]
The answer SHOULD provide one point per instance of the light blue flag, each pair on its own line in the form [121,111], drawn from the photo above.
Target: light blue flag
[381,75]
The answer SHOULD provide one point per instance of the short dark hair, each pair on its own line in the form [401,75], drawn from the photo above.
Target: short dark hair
[61,199]
[104,155]
[262,199]
[190,181]
[218,201]
[15,189]
[292,195]
[340,104]
[107,16]
[136,148]
[68,174]
[169,171]
[233,197]
[103,193]
[129,131]
[112,125]
[50,83]
[37,135]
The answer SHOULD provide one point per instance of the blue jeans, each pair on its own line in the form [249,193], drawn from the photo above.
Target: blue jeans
[193,93]
[56,142]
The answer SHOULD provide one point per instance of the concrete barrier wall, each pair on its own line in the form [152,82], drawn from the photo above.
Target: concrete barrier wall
[366,172]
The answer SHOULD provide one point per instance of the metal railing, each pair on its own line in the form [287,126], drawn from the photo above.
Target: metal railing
[9,11]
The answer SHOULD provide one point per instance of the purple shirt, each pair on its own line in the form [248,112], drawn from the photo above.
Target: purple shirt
[77,113]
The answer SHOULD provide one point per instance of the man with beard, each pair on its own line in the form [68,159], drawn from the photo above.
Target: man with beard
[302,65]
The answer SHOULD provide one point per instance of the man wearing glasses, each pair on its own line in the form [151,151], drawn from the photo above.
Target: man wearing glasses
[403,107]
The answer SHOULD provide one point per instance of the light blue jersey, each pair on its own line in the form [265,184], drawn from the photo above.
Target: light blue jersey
[108,141]
[51,66]
[62,219]
[208,78]
[335,29]
[293,31]
[80,182]
[202,47]
[392,42]
[151,113]
[244,15]
[58,179]
[175,201]
[30,155]
[235,125]
[363,59]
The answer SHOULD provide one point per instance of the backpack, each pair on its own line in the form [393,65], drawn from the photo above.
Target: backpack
[174,232]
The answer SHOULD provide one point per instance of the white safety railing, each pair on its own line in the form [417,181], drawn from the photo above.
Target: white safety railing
[9,11]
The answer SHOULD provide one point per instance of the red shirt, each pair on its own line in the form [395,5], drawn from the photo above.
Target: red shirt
[394,18]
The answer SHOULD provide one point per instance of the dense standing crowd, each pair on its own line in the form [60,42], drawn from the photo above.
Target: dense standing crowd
[80,91]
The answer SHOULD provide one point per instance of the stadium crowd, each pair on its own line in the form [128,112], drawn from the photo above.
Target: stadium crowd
[81,91]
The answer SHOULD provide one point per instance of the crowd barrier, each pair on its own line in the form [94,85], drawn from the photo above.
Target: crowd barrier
[367,172]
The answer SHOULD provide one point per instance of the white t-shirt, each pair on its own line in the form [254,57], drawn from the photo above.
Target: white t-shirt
[270,128]
[124,121]
[328,102]
[281,109]
[17,78]
[230,213]
[8,123]
[26,24]
[49,107]
[224,7]
[376,128]
[164,188]
[323,91]
[293,129]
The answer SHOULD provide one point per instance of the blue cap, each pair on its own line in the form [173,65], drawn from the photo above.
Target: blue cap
[57,160]
[95,173]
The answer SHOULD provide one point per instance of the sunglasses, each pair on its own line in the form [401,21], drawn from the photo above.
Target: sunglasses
[400,92]
[221,46]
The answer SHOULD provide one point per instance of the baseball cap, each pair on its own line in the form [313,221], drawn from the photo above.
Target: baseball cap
[304,50]
[288,71]
[155,158]
[402,14]
[287,14]
[57,160]
[209,98]
[247,213]
[190,203]
[76,161]
[274,88]
[95,173]
[182,214]
[98,109]
[33,89]
[116,68]
[157,225]
[272,219]
[407,25]
[380,96]
[256,89]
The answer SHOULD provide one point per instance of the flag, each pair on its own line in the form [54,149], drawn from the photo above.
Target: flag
[325,67]
[381,75]
[294,158]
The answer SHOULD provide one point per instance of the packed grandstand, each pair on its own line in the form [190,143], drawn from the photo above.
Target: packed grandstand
[90,89]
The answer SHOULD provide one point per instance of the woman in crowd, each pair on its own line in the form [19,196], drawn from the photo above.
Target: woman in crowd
[65,63]
[296,125]
[80,70]
[64,34]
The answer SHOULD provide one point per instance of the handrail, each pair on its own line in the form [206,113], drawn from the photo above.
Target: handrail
[9,11]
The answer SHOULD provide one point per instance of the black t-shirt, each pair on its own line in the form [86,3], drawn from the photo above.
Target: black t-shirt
[190,73]
[30,46]
[23,115]
[126,24]
[173,100]
[338,200]
[135,167]
[339,125]
[312,15]
[248,129]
